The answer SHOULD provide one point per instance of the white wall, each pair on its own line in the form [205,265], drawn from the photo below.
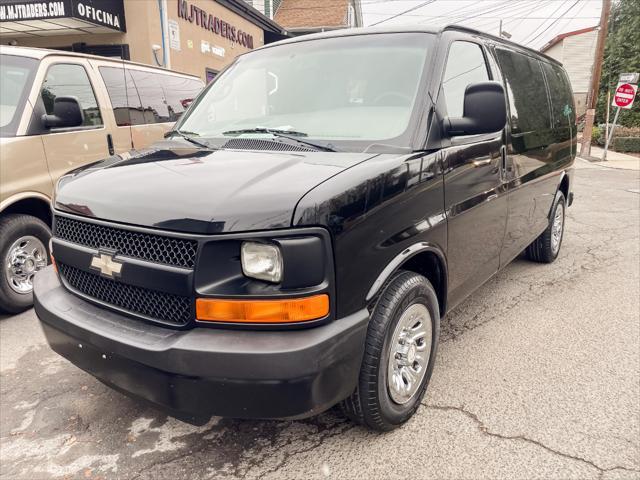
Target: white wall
[577,54]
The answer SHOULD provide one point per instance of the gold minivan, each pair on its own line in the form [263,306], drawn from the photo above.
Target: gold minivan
[59,111]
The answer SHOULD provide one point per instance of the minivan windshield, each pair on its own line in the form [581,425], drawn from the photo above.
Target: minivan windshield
[16,76]
[355,88]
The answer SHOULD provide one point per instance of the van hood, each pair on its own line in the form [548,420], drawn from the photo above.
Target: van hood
[173,187]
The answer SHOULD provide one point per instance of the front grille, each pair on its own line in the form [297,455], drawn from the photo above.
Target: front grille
[168,308]
[261,144]
[179,252]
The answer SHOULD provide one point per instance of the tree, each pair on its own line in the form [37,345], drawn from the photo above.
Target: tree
[621,55]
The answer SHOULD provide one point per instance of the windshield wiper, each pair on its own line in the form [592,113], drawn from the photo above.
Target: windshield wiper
[188,136]
[288,134]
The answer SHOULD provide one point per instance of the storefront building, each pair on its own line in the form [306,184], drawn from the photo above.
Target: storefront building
[199,37]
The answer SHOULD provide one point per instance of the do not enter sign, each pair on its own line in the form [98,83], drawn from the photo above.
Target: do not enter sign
[624,96]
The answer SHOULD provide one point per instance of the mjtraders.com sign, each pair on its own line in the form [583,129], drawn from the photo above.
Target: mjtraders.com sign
[214,24]
[106,13]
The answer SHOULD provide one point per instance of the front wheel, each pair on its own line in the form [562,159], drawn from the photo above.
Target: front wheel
[546,247]
[399,354]
[23,251]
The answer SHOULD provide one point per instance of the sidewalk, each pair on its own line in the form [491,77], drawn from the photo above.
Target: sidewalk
[614,159]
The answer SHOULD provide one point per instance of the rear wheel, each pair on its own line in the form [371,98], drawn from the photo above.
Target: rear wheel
[23,251]
[546,247]
[399,354]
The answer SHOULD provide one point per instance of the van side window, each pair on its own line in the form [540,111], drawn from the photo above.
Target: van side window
[154,104]
[125,101]
[560,92]
[528,102]
[179,93]
[64,79]
[465,65]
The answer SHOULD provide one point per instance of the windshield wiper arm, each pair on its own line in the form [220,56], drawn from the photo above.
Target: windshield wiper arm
[272,131]
[288,134]
[188,136]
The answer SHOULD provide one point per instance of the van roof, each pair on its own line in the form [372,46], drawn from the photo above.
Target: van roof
[40,53]
[411,29]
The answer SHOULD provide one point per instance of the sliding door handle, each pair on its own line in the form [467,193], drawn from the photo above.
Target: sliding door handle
[110,144]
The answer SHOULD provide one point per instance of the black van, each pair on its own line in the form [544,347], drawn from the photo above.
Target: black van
[295,241]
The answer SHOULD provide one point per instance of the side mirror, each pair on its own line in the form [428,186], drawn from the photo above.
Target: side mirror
[485,110]
[66,113]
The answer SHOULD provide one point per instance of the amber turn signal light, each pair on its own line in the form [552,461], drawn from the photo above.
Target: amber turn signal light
[288,310]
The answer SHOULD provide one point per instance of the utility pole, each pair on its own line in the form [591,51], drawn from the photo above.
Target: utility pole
[592,98]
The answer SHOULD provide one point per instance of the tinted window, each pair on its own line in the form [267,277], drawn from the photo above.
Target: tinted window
[528,103]
[125,101]
[154,104]
[465,65]
[65,80]
[561,97]
[179,92]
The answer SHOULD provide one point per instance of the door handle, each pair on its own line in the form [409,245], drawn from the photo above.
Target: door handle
[110,144]
[503,161]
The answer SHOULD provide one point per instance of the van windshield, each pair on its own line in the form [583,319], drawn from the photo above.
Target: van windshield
[16,76]
[359,88]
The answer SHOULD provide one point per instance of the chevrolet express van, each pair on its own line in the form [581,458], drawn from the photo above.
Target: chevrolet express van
[60,111]
[297,239]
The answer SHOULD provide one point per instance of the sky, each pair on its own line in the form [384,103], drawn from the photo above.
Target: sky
[530,22]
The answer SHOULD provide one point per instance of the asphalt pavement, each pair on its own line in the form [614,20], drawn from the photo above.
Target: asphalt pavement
[538,376]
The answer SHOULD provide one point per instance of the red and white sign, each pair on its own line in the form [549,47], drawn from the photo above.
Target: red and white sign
[624,96]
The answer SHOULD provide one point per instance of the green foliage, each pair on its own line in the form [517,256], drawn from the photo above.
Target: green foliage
[596,133]
[621,55]
[626,144]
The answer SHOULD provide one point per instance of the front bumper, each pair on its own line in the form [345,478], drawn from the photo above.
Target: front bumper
[204,371]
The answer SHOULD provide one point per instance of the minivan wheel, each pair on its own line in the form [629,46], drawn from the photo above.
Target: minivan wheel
[546,247]
[23,251]
[399,355]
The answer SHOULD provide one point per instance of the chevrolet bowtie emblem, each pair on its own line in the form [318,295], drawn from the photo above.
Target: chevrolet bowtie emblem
[106,264]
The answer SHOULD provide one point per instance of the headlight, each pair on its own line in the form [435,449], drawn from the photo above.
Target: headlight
[262,261]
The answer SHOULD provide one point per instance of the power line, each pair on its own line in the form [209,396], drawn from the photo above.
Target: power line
[530,12]
[423,4]
[482,10]
[540,26]
[514,12]
[551,24]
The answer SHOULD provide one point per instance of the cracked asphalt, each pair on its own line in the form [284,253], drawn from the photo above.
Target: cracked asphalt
[538,376]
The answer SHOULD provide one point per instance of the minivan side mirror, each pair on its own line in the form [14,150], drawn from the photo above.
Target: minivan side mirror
[66,113]
[485,110]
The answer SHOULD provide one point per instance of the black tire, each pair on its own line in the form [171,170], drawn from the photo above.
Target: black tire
[13,227]
[371,404]
[542,249]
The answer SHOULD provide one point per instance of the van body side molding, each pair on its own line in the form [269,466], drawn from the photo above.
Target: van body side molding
[402,257]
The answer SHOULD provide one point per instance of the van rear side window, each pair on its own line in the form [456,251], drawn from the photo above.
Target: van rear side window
[125,101]
[142,97]
[179,93]
[560,93]
[528,101]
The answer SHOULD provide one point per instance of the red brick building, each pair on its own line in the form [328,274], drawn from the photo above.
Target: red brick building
[299,17]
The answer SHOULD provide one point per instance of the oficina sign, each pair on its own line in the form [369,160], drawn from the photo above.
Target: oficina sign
[200,17]
[106,13]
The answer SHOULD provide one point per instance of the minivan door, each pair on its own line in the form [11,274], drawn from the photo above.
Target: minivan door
[73,147]
[475,195]
[530,167]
